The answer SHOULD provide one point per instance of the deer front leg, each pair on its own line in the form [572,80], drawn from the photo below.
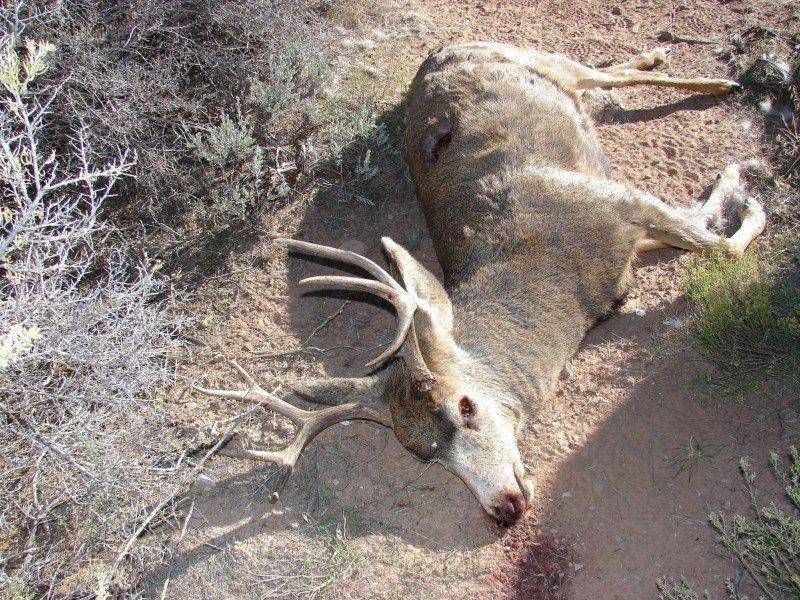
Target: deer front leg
[668,226]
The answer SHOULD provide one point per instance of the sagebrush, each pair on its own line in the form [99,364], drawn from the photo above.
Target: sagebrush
[86,348]
[131,131]
[766,546]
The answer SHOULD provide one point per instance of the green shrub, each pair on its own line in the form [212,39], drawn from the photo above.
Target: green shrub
[237,164]
[768,547]
[292,79]
[230,141]
[748,318]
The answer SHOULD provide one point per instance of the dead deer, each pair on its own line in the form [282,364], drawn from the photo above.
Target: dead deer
[536,244]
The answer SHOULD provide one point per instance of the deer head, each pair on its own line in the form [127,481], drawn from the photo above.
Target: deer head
[443,404]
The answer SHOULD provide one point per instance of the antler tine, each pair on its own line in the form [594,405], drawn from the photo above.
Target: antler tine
[344,256]
[386,287]
[400,299]
[311,422]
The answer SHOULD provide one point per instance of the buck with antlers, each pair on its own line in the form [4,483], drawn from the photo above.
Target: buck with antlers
[536,243]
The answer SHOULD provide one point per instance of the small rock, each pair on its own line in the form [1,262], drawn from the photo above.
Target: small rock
[356,246]
[616,10]
[566,495]
[203,483]
[640,312]
[566,372]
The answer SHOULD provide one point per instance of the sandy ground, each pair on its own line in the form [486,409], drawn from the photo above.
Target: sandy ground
[614,511]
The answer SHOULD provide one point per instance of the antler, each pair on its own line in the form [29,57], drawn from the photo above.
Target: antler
[311,423]
[387,288]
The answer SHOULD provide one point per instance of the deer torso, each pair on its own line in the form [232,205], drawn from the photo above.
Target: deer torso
[530,263]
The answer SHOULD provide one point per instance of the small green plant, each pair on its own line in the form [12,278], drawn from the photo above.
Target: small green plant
[690,454]
[229,141]
[768,547]
[669,589]
[748,321]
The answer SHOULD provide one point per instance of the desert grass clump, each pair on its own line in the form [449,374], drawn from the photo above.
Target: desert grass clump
[748,318]
[690,454]
[86,349]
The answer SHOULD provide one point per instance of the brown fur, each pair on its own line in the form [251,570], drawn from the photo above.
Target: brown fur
[529,264]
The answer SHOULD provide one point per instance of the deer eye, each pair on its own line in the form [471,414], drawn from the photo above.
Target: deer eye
[467,407]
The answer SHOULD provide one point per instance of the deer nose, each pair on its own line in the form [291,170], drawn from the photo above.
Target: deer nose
[510,508]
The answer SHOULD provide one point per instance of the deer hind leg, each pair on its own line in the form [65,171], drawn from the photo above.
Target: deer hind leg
[667,226]
[725,186]
[592,78]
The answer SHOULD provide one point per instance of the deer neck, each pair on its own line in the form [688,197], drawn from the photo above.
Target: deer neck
[522,327]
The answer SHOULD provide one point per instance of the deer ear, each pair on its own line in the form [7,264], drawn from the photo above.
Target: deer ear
[430,294]
[433,319]
[340,390]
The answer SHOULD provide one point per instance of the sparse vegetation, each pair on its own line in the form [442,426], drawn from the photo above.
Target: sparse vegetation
[748,313]
[241,87]
[748,319]
[86,348]
[767,547]
[330,560]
